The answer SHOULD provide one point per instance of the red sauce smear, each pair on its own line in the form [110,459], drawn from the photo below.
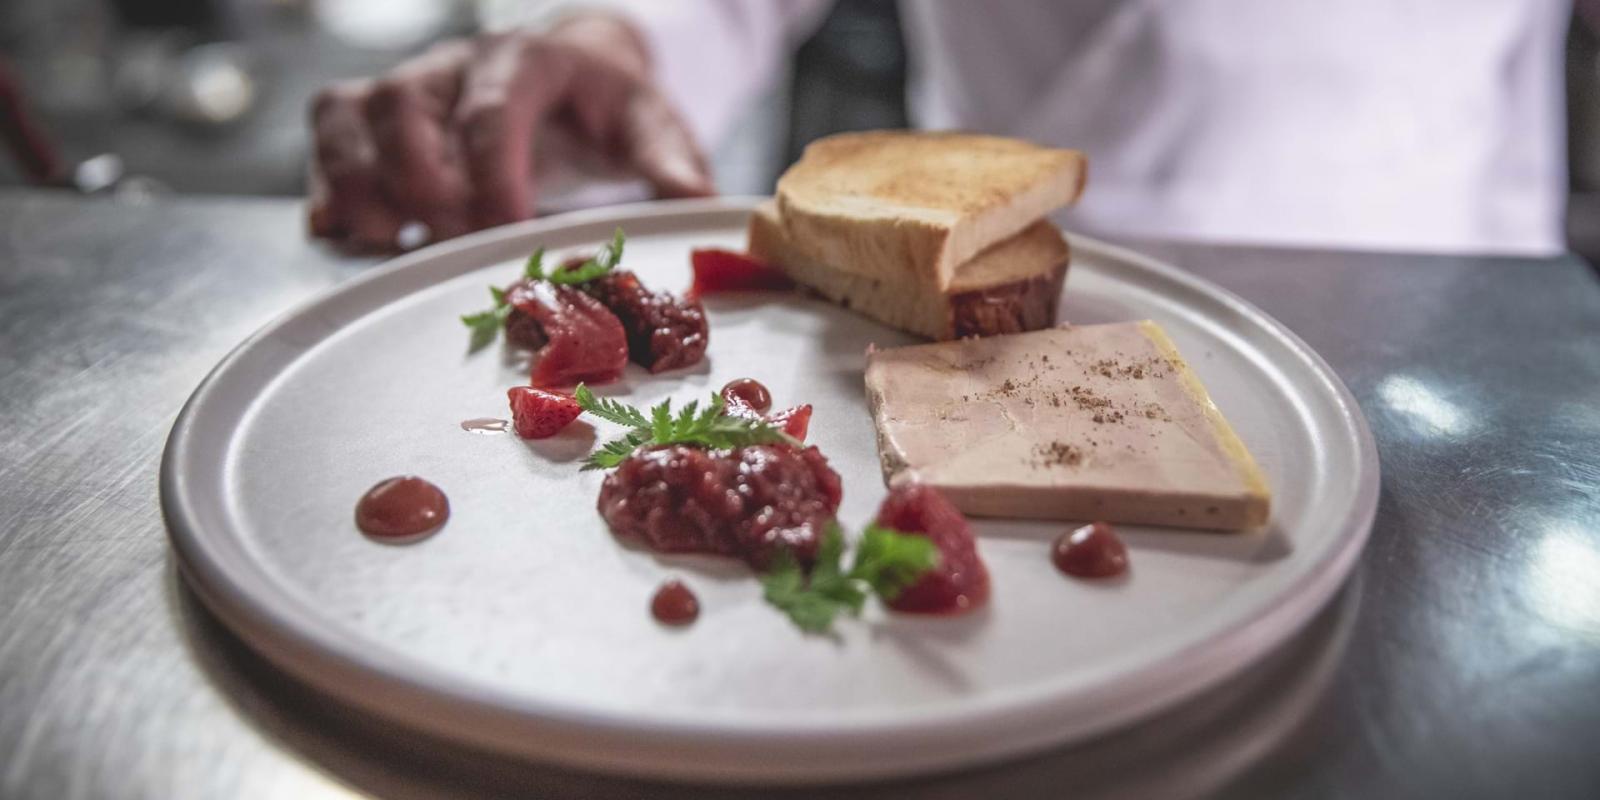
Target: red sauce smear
[1092,551]
[748,391]
[485,425]
[728,271]
[674,604]
[404,507]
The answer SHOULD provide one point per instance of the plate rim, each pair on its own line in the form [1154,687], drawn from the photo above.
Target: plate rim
[613,741]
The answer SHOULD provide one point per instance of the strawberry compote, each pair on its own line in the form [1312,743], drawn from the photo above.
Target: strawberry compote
[750,502]
[664,332]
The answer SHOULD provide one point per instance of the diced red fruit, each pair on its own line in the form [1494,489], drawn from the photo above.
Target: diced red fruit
[717,270]
[794,421]
[538,414]
[663,332]
[749,392]
[960,583]
[585,342]
[750,502]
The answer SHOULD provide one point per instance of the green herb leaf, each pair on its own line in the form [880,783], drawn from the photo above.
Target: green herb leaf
[889,561]
[813,602]
[609,410]
[604,262]
[486,324]
[661,427]
[617,450]
[692,424]
[886,562]
[784,586]
[534,269]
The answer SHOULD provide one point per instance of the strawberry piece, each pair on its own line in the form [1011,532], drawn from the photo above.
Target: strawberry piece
[538,414]
[585,342]
[794,421]
[717,270]
[960,583]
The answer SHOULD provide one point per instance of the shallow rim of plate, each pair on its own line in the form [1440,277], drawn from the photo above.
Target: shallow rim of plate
[403,689]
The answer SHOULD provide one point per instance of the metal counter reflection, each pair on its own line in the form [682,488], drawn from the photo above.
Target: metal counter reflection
[1428,411]
[1564,576]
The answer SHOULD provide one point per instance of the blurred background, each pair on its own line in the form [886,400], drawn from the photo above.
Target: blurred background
[139,98]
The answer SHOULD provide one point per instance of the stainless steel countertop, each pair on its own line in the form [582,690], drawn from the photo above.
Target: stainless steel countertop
[1462,661]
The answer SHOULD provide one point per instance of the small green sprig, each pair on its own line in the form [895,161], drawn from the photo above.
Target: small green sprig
[534,269]
[485,324]
[603,262]
[704,427]
[886,562]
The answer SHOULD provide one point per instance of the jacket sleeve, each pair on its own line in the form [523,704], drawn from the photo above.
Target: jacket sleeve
[711,57]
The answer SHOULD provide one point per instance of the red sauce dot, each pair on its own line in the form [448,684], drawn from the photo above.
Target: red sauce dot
[402,507]
[674,604]
[750,392]
[1092,551]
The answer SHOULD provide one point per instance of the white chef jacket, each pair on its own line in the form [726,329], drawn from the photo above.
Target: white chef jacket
[1434,125]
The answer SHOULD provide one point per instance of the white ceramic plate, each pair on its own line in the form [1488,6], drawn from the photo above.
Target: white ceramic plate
[523,624]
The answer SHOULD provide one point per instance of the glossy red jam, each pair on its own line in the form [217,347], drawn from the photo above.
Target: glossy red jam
[748,503]
[663,331]
[674,604]
[1092,551]
[960,583]
[728,271]
[748,391]
[402,508]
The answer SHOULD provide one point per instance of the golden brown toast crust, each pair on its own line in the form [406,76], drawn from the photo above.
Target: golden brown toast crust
[1012,287]
[917,205]
[943,171]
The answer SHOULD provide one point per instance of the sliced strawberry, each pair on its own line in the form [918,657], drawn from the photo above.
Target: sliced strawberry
[538,414]
[960,583]
[718,270]
[585,342]
[794,421]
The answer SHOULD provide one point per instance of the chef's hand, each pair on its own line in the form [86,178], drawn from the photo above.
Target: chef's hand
[448,139]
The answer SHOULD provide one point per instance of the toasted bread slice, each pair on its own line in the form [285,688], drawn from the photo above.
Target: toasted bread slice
[901,204]
[1012,287]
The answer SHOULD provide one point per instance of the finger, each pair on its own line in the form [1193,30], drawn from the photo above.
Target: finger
[419,168]
[344,169]
[655,142]
[508,90]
